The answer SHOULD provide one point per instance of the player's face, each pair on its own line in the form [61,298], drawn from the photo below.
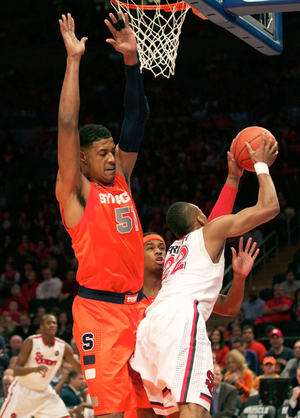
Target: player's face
[98,162]
[49,325]
[154,256]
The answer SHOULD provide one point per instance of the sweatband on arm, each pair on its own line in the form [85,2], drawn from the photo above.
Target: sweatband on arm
[136,110]
[261,168]
[225,202]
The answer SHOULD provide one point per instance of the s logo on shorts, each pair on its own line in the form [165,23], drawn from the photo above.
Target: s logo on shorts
[88,341]
[210,382]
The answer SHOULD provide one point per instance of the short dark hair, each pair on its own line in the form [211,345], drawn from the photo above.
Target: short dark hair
[72,375]
[91,133]
[248,327]
[181,218]
[234,340]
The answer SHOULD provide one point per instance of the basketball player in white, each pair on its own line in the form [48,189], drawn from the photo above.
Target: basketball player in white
[173,353]
[31,394]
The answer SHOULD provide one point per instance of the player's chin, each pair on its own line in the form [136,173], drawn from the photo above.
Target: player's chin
[109,176]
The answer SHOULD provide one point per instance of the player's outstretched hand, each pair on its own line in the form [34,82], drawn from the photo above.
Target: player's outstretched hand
[234,169]
[242,262]
[124,40]
[74,47]
[266,153]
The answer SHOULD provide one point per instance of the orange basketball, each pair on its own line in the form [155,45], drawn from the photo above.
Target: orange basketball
[252,135]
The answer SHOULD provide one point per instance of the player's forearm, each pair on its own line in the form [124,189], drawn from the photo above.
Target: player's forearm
[230,304]
[225,202]
[24,371]
[136,110]
[70,99]
[131,59]
[267,196]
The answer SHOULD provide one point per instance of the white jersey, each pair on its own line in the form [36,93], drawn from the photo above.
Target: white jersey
[190,272]
[173,353]
[41,353]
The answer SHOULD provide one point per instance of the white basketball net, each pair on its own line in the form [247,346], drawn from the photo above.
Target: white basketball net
[157,32]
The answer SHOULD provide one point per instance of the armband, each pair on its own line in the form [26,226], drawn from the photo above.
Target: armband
[261,168]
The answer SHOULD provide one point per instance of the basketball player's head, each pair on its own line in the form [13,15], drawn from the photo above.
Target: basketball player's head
[48,325]
[154,253]
[183,218]
[97,153]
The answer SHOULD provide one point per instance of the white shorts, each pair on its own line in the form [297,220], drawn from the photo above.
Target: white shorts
[22,402]
[173,355]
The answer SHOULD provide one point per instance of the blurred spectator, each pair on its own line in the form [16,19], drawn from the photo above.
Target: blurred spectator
[69,290]
[268,366]
[238,374]
[236,343]
[42,252]
[15,344]
[218,346]
[277,309]
[60,381]
[28,289]
[238,320]
[25,329]
[40,312]
[251,344]
[4,361]
[17,297]
[281,353]
[254,306]
[9,277]
[49,289]
[6,328]
[236,331]
[292,365]
[13,312]
[72,394]
[290,285]
[6,382]
[294,405]
[64,327]
[26,246]
[225,397]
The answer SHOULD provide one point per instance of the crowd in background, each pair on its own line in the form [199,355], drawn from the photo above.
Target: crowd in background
[194,117]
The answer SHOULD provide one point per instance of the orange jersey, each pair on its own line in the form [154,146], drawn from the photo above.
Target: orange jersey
[108,240]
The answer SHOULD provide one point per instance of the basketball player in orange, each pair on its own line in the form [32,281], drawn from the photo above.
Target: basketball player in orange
[99,214]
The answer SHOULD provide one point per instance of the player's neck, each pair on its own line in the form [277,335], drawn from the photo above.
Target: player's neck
[152,284]
[48,340]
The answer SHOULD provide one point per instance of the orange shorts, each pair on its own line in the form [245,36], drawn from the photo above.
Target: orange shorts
[105,335]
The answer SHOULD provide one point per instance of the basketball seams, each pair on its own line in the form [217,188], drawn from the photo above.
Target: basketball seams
[239,149]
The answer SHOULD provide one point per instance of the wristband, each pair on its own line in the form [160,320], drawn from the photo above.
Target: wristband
[261,168]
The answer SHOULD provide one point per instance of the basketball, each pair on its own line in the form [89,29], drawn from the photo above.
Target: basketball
[252,135]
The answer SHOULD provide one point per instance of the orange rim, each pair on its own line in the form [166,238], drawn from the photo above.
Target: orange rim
[166,7]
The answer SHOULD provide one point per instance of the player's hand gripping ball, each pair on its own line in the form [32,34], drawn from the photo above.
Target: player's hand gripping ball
[252,135]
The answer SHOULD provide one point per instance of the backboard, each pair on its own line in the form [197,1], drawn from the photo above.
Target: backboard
[262,31]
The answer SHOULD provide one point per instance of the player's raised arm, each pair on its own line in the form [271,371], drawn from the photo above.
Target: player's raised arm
[135,102]
[242,263]
[69,176]
[266,208]
[225,202]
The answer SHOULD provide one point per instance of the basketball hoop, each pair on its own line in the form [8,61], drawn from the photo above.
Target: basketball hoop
[157,28]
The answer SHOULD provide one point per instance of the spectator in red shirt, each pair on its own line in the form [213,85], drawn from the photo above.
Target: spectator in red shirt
[69,290]
[26,246]
[16,297]
[29,289]
[8,278]
[251,344]
[277,309]
[218,346]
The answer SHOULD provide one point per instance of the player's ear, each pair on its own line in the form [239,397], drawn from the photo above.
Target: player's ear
[201,221]
[83,158]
